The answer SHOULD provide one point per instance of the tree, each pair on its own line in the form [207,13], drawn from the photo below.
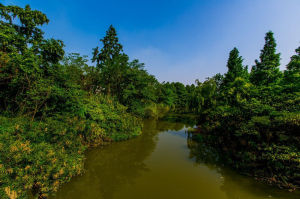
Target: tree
[291,84]
[236,74]
[219,79]
[167,94]
[26,57]
[266,71]
[235,68]
[292,74]
[181,96]
[18,35]
[111,48]
[111,62]
[138,88]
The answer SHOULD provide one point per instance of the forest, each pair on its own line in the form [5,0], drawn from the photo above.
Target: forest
[54,106]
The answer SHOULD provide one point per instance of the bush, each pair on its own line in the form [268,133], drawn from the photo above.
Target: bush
[40,155]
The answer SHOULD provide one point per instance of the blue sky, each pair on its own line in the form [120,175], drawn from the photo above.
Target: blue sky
[178,40]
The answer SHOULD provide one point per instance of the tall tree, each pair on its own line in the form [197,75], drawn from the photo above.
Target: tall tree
[266,71]
[110,50]
[111,62]
[25,57]
[292,74]
[294,65]
[138,87]
[235,68]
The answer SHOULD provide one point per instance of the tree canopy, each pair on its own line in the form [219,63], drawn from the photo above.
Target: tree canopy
[266,71]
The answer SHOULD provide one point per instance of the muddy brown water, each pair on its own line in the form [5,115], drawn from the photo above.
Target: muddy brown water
[161,164]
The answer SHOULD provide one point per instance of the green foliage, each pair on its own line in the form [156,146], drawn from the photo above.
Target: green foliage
[156,111]
[26,58]
[127,82]
[255,125]
[111,48]
[203,97]
[266,71]
[51,106]
[111,62]
[43,154]
[173,94]
[31,160]
[235,68]
[292,74]
[138,88]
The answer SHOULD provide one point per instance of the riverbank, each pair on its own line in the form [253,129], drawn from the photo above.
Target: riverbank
[275,163]
[151,165]
[41,155]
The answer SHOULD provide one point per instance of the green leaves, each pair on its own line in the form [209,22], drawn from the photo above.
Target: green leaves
[30,59]
[111,63]
[111,48]
[256,124]
[292,74]
[52,50]
[43,154]
[266,71]
[29,20]
[235,68]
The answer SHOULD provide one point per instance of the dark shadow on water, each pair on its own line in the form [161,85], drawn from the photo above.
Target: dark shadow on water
[112,168]
[235,185]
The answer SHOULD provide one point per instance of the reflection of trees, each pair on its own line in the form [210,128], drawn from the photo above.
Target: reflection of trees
[234,185]
[187,119]
[114,166]
[169,126]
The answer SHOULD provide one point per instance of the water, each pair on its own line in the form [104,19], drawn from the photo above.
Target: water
[161,164]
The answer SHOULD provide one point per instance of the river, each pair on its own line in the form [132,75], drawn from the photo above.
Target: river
[161,164]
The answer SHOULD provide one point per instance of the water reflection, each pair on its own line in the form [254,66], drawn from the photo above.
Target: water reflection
[234,185]
[112,167]
[164,162]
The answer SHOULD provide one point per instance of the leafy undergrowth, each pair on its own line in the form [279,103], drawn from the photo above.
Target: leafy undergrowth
[266,147]
[41,155]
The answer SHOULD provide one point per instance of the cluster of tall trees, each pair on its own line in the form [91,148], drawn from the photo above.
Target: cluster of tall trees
[254,118]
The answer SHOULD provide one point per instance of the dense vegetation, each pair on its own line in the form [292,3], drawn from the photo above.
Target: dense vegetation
[53,106]
[253,118]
